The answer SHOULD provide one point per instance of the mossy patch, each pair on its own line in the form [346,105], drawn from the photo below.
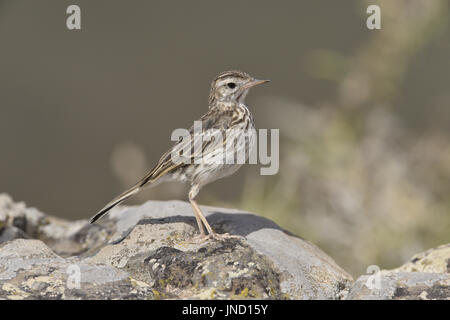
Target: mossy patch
[230,269]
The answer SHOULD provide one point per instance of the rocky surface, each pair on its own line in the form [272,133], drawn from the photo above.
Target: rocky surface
[145,252]
[425,276]
[402,286]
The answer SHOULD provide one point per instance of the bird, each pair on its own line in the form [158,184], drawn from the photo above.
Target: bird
[218,138]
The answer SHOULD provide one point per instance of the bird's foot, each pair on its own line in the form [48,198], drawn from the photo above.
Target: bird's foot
[199,239]
[224,236]
[214,236]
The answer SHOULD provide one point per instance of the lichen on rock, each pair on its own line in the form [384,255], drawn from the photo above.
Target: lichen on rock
[146,252]
[425,277]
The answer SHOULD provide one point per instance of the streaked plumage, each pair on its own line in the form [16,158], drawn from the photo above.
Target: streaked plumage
[227,115]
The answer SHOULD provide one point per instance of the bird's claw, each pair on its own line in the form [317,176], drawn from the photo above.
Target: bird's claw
[214,236]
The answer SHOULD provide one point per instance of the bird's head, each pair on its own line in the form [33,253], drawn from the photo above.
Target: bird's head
[232,86]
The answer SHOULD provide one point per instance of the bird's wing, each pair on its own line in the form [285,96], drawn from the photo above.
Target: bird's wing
[213,120]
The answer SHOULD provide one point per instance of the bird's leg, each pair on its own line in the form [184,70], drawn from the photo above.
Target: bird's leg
[201,220]
[197,217]
[212,234]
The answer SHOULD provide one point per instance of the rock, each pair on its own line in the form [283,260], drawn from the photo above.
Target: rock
[402,285]
[294,267]
[425,276]
[18,216]
[9,233]
[3,219]
[66,238]
[435,260]
[30,270]
[145,252]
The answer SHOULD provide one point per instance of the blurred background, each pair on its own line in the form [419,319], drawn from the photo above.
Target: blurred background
[364,115]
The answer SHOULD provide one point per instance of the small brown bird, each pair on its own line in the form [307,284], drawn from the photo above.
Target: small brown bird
[227,115]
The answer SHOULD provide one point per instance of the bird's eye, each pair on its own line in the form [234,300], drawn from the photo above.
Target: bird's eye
[231,85]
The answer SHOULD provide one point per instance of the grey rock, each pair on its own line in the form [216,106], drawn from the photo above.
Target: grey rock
[435,260]
[303,271]
[402,286]
[3,219]
[145,252]
[426,276]
[10,233]
[30,270]
[66,238]
[17,215]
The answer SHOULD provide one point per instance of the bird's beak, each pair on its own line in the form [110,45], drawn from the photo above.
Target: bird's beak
[253,83]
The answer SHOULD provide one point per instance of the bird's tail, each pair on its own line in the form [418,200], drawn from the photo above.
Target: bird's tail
[124,196]
[164,166]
